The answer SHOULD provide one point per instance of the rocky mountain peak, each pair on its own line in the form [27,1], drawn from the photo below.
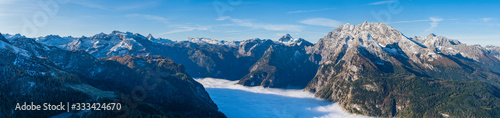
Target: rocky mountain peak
[375,40]
[432,35]
[52,36]
[116,32]
[434,40]
[289,41]
[285,38]
[99,36]
[150,37]
[380,32]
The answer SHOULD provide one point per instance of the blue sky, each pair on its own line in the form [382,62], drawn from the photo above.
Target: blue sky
[471,22]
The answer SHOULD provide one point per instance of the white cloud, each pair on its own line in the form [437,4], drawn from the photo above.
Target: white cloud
[223,18]
[382,2]
[307,11]
[222,83]
[177,28]
[272,27]
[414,21]
[486,19]
[321,22]
[434,23]
[150,17]
[280,103]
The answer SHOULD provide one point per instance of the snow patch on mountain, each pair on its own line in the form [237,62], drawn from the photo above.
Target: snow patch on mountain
[290,41]
[124,45]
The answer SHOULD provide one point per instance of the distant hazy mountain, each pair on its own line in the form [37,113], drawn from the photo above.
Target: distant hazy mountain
[34,72]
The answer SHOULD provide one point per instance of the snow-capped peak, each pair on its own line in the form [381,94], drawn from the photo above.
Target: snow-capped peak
[288,40]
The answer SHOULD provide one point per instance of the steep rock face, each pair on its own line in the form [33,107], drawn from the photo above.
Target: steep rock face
[46,74]
[367,68]
[283,65]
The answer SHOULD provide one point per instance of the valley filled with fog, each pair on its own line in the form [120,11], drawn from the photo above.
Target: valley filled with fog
[258,102]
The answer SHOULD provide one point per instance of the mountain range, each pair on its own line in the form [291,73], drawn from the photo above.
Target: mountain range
[370,69]
[149,86]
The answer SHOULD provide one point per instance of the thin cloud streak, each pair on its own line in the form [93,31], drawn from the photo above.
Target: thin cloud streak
[150,17]
[321,22]
[187,29]
[382,2]
[272,27]
[136,6]
[434,23]
[178,28]
[118,8]
[307,11]
[89,5]
[410,21]
[486,19]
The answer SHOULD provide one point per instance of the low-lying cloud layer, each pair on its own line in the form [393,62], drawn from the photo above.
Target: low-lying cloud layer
[240,101]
